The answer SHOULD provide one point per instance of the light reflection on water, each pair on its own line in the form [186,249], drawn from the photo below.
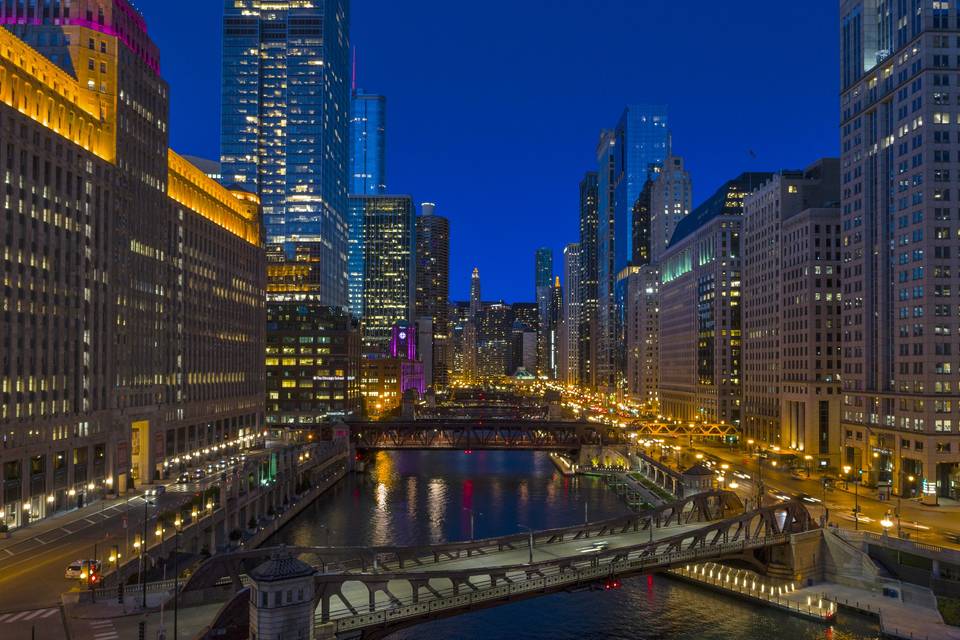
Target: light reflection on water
[417,497]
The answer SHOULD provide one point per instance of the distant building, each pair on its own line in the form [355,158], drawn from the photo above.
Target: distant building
[495,340]
[210,168]
[570,316]
[700,323]
[543,284]
[587,331]
[384,296]
[386,378]
[433,289]
[368,143]
[671,195]
[641,335]
[624,157]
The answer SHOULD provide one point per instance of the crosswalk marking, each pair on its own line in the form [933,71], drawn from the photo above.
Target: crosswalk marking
[23,616]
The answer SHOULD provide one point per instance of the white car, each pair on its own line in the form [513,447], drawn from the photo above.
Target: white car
[77,568]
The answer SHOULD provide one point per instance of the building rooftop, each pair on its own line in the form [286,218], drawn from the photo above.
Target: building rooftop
[281,566]
[698,469]
[727,200]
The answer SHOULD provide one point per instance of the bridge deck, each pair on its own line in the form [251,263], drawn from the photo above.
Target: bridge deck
[479,569]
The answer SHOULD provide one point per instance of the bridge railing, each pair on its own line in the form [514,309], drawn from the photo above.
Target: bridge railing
[549,576]
[707,506]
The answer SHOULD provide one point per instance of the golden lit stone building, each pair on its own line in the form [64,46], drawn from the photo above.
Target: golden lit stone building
[132,319]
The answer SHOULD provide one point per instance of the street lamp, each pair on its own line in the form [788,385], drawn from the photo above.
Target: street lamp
[530,546]
[886,523]
[178,524]
[807,459]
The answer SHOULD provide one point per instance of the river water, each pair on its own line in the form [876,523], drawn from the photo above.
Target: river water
[417,497]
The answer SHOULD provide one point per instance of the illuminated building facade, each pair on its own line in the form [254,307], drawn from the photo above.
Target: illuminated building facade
[433,290]
[312,364]
[133,322]
[387,378]
[386,252]
[624,156]
[700,312]
[900,242]
[570,315]
[771,309]
[588,280]
[368,143]
[285,133]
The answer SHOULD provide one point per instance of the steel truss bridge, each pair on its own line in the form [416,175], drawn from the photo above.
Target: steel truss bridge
[484,434]
[372,592]
[656,429]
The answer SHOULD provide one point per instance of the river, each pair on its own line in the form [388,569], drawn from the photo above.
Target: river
[417,497]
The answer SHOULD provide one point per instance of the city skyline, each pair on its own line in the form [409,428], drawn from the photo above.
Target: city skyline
[759,134]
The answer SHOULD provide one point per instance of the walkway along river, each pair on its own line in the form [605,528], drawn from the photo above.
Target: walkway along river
[416,497]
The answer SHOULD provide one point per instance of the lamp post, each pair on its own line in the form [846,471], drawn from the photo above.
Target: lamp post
[856,502]
[530,546]
[178,525]
[886,523]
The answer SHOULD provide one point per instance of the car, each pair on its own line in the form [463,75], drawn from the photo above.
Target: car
[156,491]
[952,536]
[199,473]
[183,478]
[806,497]
[78,568]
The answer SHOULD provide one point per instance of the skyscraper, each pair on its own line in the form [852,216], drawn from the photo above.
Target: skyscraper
[899,245]
[671,195]
[471,329]
[388,283]
[624,156]
[368,143]
[433,286]
[552,333]
[570,316]
[285,133]
[543,284]
[588,279]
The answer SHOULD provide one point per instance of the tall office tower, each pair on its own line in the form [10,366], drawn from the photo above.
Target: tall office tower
[526,331]
[495,341]
[285,135]
[459,315]
[764,299]
[552,331]
[388,229]
[671,196]
[700,285]
[900,322]
[120,257]
[641,334]
[570,315]
[587,330]
[433,287]
[543,284]
[624,156]
[471,330]
[368,143]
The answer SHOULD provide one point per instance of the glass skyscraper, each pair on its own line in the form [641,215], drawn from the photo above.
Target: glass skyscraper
[285,134]
[624,156]
[368,144]
[383,267]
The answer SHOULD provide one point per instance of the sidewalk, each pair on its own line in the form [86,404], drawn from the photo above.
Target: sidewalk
[917,617]
[97,511]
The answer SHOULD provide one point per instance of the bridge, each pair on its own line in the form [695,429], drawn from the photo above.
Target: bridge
[542,435]
[375,591]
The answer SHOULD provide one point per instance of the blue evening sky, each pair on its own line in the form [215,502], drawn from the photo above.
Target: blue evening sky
[494,108]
